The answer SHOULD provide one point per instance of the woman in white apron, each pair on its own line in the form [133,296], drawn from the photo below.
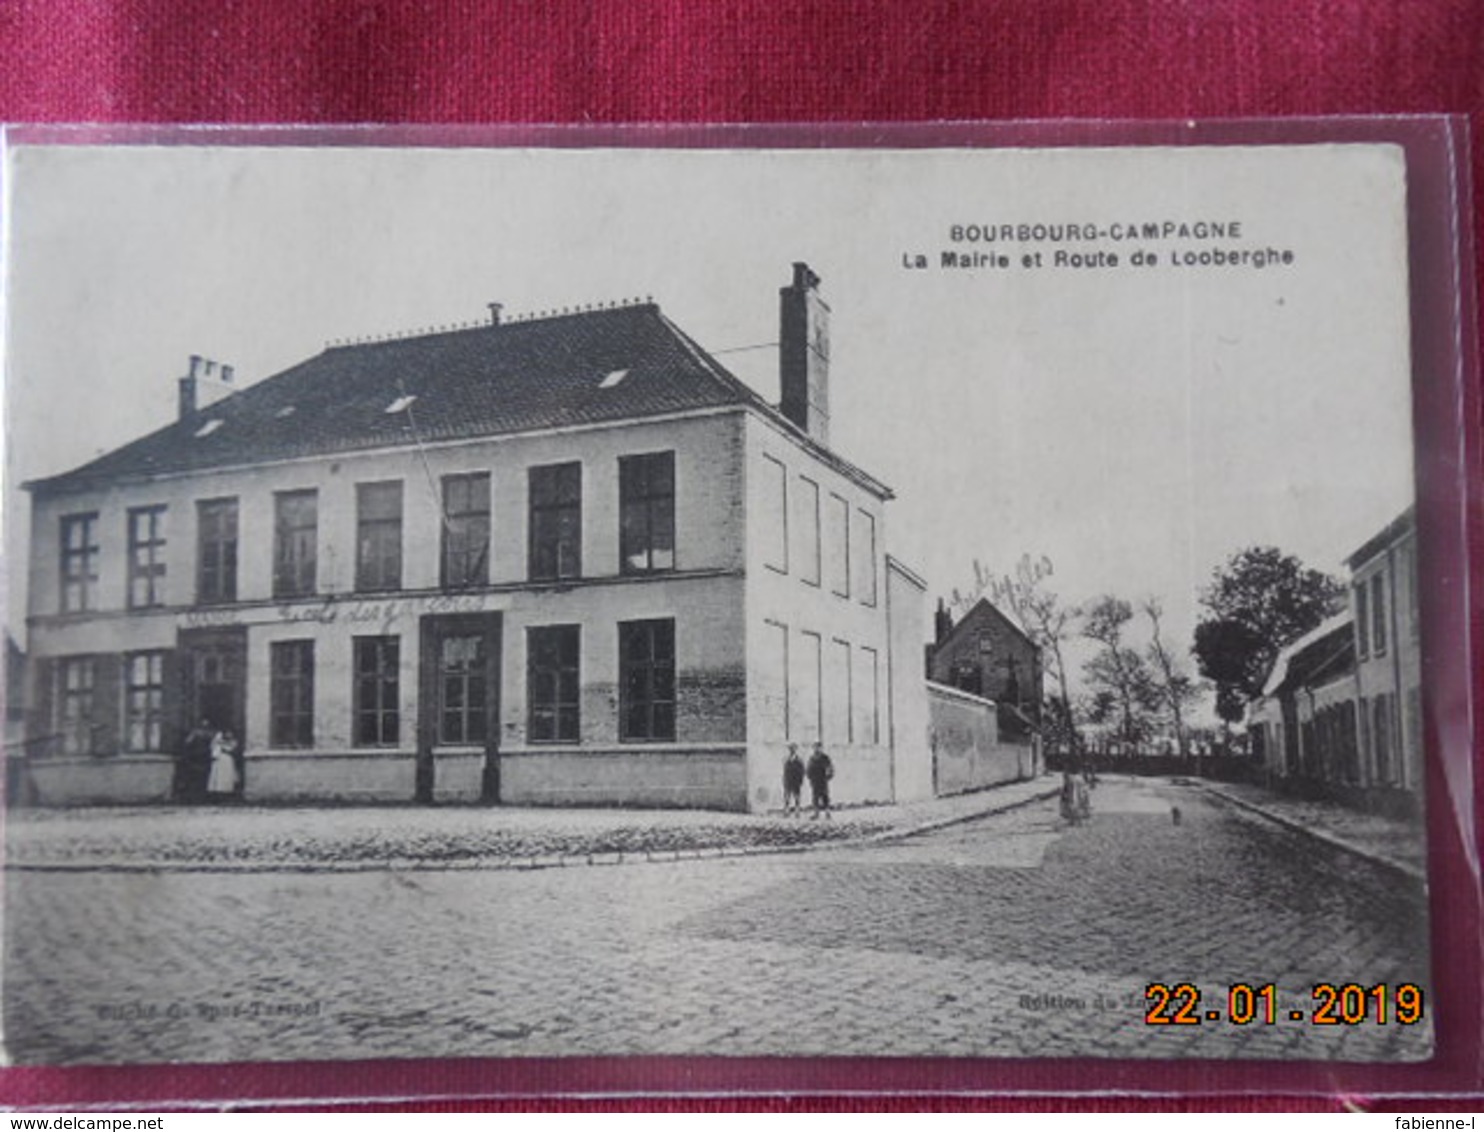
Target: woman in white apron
[222,782]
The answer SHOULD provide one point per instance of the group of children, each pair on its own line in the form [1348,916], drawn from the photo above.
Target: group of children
[819,770]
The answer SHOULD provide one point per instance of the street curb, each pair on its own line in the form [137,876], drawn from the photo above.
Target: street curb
[524,864]
[1411,872]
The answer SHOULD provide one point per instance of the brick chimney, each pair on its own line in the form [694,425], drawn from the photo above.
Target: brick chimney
[804,354]
[942,622]
[206,383]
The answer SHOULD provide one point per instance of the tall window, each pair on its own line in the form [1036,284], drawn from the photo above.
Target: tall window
[379,536]
[870,698]
[811,694]
[808,528]
[461,689]
[146,557]
[291,693]
[775,515]
[1381,736]
[556,521]
[75,684]
[216,550]
[552,666]
[646,495]
[466,530]
[776,704]
[79,561]
[1378,612]
[1362,621]
[647,679]
[865,569]
[295,535]
[839,546]
[841,693]
[377,689]
[144,701]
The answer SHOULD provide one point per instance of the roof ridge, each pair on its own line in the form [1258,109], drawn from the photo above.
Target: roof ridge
[597,307]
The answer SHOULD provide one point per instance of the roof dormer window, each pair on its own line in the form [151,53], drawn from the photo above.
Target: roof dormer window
[209,427]
[613,378]
[401,403]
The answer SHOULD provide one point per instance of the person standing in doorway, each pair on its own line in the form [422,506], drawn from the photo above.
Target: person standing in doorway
[222,783]
[820,770]
[793,780]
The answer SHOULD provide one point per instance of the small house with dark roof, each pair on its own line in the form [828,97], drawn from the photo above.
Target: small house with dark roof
[565,559]
[987,654]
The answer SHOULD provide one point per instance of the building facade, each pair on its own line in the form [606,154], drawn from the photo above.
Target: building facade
[1341,713]
[558,560]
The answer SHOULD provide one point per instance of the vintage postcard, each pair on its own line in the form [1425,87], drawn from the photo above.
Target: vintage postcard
[471,602]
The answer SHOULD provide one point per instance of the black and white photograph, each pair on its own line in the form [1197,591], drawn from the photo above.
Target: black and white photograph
[534,602]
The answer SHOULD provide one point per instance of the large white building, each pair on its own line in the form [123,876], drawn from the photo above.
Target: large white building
[566,559]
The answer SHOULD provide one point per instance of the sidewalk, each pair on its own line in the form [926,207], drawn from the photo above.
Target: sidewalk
[1397,844]
[367,838]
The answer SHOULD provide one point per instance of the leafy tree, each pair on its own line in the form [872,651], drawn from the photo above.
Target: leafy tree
[1261,600]
[1116,673]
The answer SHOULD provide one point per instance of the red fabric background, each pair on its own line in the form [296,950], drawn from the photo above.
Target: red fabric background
[729,61]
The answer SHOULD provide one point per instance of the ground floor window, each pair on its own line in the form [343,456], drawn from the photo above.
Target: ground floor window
[377,691]
[462,660]
[291,694]
[75,684]
[144,701]
[647,679]
[552,676]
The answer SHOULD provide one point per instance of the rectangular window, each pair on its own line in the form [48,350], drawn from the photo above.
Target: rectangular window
[871,695]
[556,521]
[462,690]
[379,536]
[1409,584]
[146,557]
[839,538]
[216,550]
[775,515]
[865,570]
[808,527]
[466,530]
[1378,613]
[144,701]
[295,539]
[377,704]
[552,669]
[75,685]
[842,722]
[1362,621]
[647,679]
[291,693]
[79,562]
[810,698]
[776,705]
[646,504]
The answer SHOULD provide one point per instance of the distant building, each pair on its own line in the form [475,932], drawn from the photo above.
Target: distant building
[1341,711]
[986,654]
[564,559]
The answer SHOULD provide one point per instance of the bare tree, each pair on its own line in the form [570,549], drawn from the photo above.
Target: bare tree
[1176,689]
[1117,669]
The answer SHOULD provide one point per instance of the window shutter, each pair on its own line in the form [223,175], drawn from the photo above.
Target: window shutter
[108,683]
[172,716]
[42,730]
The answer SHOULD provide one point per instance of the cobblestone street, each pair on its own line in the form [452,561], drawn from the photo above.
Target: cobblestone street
[1013,935]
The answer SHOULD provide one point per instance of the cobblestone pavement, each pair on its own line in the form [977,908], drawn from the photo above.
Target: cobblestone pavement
[1402,843]
[1013,935]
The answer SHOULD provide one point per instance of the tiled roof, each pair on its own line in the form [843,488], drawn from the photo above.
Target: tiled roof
[587,367]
